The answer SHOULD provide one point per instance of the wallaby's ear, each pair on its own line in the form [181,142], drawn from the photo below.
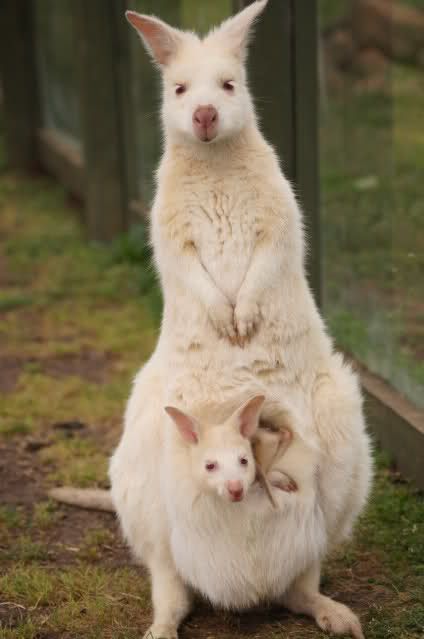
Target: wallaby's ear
[234,33]
[247,417]
[187,426]
[160,40]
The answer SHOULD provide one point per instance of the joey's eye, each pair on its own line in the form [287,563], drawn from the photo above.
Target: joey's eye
[210,466]
[228,86]
[180,89]
[244,461]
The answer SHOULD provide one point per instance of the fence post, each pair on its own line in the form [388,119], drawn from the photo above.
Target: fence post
[99,49]
[272,75]
[284,64]
[306,109]
[18,73]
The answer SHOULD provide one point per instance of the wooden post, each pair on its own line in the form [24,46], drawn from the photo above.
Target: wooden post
[272,76]
[306,118]
[18,73]
[99,49]
[284,70]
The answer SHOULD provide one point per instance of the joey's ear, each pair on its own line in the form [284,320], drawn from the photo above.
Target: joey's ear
[187,426]
[160,40]
[247,417]
[234,33]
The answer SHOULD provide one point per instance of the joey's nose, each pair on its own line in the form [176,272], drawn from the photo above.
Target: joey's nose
[235,490]
[205,122]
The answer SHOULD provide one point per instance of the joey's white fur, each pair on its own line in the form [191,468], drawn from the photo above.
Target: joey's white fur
[239,319]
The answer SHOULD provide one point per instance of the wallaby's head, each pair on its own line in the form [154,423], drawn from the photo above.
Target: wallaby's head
[221,455]
[205,94]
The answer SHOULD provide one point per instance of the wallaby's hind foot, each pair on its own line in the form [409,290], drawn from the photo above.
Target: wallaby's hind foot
[161,632]
[337,619]
[281,480]
[303,597]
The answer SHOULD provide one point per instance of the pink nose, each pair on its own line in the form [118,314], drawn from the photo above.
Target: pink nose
[235,490]
[205,121]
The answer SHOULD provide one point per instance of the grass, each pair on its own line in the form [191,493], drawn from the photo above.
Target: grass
[81,601]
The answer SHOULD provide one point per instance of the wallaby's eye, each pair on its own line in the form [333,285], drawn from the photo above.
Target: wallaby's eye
[180,89]
[228,85]
[244,461]
[210,466]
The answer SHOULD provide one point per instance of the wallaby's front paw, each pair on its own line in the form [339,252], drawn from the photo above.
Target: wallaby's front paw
[247,316]
[161,632]
[337,619]
[222,317]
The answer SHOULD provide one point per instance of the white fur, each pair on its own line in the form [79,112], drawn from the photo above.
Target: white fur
[238,319]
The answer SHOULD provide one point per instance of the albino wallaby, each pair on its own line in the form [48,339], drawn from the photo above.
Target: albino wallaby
[238,314]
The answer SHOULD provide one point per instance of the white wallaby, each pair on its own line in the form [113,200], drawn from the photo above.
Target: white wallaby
[239,319]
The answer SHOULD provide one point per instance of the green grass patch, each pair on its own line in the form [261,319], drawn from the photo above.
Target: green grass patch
[88,602]
[10,427]
[76,462]
[10,301]
[394,523]
[45,515]
[11,518]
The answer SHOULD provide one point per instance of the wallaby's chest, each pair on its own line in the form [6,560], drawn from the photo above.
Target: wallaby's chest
[225,227]
[222,215]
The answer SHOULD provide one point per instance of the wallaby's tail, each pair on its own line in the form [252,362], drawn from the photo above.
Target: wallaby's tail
[90,498]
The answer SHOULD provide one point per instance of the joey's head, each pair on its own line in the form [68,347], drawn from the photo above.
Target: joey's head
[205,94]
[221,455]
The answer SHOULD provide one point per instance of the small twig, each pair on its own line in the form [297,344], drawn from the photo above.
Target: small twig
[36,605]
[12,604]
[127,594]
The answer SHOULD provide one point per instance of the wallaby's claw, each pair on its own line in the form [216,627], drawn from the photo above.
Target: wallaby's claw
[247,317]
[222,318]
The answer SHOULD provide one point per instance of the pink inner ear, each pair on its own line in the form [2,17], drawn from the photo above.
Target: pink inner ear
[249,416]
[188,434]
[247,428]
[184,423]
[159,37]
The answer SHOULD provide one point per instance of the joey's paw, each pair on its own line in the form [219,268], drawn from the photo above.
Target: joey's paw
[161,632]
[337,619]
[280,480]
[222,318]
[247,316]
[286,436]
